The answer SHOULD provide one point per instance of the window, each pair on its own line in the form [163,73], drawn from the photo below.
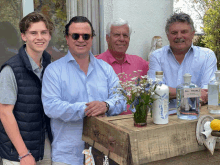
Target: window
[91,10]
[10,41]
[56,10]
[60,11]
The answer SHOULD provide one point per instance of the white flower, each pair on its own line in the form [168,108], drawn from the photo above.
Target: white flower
[144,77]
[150,81]
[129,93]
[134,78]
[138,87]
[134,87]
[134,90]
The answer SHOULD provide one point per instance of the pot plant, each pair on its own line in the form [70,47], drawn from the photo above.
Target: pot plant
[138,93]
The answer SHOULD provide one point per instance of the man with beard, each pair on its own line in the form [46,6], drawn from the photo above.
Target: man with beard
[181,57]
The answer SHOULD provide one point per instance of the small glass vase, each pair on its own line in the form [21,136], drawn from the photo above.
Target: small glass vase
[140,116]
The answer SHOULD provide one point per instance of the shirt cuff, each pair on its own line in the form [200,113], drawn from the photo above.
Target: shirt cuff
[111,106]
[83,111]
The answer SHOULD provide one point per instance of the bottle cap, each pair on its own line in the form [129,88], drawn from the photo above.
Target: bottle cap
[217,73]
[159,73]
[187,78]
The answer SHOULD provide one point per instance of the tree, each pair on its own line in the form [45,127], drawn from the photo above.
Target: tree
[195,8]
[211,28]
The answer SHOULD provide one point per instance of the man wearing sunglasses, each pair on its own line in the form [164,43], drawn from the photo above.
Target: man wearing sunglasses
[118,37]
[76,86]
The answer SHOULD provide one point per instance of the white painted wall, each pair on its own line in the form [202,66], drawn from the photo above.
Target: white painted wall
[147,18]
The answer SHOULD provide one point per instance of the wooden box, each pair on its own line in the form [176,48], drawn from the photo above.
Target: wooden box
[125,144]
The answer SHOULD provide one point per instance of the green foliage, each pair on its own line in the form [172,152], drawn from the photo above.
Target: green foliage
[198,41]
[211,28]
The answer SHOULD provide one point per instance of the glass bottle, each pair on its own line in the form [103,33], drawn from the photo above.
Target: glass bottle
[213,95]
[187,97]
[160,107]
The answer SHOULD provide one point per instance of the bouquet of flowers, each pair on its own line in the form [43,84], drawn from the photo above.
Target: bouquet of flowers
[138,92]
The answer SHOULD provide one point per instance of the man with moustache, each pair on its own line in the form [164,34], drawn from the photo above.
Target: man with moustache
[118,37]
[23,134]
[181,57]
[76,86]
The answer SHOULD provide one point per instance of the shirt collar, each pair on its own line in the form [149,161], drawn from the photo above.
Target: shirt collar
[33,63]
[112,60]
[69,57]
[169,50]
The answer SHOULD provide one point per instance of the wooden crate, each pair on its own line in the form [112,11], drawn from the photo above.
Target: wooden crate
[125,144]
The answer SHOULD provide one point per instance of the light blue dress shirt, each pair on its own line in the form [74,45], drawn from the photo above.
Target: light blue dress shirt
[200,62]
[65,91]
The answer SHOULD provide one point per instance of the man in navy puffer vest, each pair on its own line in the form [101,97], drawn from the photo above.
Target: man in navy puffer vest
[23,124]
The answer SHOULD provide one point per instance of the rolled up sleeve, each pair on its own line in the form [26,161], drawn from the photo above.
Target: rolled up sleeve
[116,100]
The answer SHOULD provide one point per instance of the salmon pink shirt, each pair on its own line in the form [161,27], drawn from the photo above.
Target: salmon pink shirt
[131,63]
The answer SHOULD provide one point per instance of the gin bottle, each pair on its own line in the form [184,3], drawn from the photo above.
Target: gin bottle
[160,107]
[187,96]
[213,94]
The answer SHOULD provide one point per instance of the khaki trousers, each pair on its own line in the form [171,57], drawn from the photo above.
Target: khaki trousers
[47,155]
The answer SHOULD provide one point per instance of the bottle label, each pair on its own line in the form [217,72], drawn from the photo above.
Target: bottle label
[192,92]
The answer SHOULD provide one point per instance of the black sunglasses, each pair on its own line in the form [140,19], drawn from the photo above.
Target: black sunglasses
[75,36]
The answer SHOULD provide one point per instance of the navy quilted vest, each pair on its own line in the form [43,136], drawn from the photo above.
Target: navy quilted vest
[28,109]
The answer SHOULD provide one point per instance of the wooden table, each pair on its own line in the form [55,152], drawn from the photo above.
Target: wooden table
[160,144]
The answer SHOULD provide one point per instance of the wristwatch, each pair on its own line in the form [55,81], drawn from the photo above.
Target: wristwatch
[107,106]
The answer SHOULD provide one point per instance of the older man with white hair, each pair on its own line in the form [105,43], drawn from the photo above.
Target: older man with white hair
[118,37]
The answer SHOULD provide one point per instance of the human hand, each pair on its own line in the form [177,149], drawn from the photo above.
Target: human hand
[28,160]
[102,115]
[172,93]
[204,96]
[95,108]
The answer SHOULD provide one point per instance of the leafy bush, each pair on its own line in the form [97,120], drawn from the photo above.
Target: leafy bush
[211,28]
